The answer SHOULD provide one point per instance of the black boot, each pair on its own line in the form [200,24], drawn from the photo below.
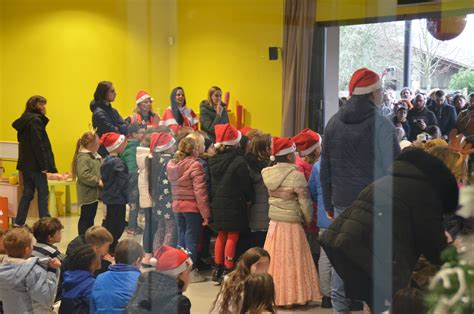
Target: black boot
[326,303]
[225,273]
[218,270]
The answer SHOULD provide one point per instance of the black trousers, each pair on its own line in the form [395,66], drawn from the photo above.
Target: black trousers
[115,222]
[86,220]
[33,180]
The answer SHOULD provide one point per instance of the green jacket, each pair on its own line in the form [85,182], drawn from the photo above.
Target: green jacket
[208,118]
[88,177]
[129,155]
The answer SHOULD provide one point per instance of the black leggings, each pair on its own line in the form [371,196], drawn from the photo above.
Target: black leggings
[115,222]
[86,220]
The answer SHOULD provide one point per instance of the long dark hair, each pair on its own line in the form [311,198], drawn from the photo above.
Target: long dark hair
[101,90]
[174,106]
[32,101]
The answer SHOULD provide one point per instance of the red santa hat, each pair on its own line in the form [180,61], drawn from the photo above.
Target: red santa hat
[306,141]
[111,141]
[226,134]
[282,146]
[364,81]
[171,261]
[245,130]
[161,141]
[141,96]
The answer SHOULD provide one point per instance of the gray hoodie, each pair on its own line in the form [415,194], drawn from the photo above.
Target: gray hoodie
[27,285]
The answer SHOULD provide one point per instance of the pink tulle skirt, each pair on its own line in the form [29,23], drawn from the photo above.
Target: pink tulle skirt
[291,266]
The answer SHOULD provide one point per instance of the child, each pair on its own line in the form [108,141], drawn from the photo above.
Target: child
[114,288]
[115,177]
[259,294]
[86,168]
[79,280]
[160,291]
[258,158]
[100,239]
[136,133]
[47,232]
[292,266]
[27,284]
[229,299]
[160,226]
[231,193]
[144,196]
[308,145]
[323,222]
[190,198]
[204,260]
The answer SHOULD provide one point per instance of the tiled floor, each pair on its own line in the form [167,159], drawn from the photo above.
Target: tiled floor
[201,295]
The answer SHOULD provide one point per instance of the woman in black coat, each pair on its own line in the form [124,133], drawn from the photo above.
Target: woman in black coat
[104,117]
[403,210]
[35,157]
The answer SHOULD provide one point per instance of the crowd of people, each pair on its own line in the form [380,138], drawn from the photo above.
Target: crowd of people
[343,220]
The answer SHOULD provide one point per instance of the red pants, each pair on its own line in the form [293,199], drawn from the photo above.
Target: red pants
[224,250]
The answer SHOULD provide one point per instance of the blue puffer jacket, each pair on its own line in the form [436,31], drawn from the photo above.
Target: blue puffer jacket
[314,184]
[77,287]
[114,289]
[114,173]
[358,148]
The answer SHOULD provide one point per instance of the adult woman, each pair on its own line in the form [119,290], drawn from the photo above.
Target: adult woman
[212,111]
[143,112]
[104,117]
[177,115]
[35,157]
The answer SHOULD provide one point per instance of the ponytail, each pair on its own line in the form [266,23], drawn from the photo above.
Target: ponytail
[186,148]
[74,160]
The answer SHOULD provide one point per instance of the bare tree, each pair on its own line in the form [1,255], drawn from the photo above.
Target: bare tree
[428,54]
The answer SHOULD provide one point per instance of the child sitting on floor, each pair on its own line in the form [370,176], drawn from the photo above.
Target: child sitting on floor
[27,284]
[114,288]
[47,232]
[160,291]
[259,294]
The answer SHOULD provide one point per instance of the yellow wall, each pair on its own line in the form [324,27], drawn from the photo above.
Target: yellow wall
[61,49]
[225,43]
[337,10]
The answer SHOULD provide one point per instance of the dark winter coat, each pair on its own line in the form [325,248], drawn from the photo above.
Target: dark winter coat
[106,119]
[446,116]
[159,294]
[359,145]
[258,211]
[414,115]
[114,173]
[208,118]
[35,152]
[231,191]
[129,156]
[405,125]
[405,208]
[77,288]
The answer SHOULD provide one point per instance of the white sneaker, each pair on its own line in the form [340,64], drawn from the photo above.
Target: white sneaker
[195,276]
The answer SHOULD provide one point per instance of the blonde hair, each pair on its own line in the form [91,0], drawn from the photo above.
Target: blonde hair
[199,139]
[83,142]
[211,92]
[186,148]
[452,160]
[98,236]
[16,241]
